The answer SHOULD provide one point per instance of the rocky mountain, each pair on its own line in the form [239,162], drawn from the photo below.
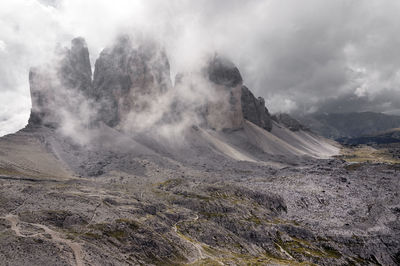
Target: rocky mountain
[128,78]
[289,122]
[60,84]
[224,111]
[349,125]
[128,169]
[254,110]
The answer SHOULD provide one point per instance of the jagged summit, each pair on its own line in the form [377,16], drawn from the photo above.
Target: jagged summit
[128,78]
[76,70]
[224,111]
[56,86]
[254,109]
[288,121]
[222,71]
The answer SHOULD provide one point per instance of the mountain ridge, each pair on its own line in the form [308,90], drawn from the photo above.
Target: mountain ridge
[347,125]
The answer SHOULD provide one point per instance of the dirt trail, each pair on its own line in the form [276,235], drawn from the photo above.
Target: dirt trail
[13,219]
[195,244]
[55,236]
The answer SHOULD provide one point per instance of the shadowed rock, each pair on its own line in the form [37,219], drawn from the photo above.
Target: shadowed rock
[225,112]
[75,71]
[289,122]
[254,109]
[223,72]
[128,78]
[42,97]
[58,83]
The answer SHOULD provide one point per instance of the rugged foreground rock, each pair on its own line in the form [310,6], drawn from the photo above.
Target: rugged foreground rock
[160,211]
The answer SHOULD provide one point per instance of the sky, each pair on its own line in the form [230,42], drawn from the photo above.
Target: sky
[301,56]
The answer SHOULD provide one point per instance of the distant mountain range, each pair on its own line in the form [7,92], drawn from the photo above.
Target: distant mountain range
[350,125]
[387,137]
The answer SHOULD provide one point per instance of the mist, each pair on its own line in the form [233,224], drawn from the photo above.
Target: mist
[302,57]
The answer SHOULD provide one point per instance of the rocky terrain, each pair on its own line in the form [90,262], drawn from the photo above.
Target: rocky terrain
[130,169]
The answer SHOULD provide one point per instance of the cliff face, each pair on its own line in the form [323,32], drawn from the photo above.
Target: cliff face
[254,109]
[225,111]
[289,122]
[75,70]
[55,87]
[42,97]
[234,102]
[127,79]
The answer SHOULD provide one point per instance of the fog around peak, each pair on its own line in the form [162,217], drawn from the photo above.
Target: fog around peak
[301,56]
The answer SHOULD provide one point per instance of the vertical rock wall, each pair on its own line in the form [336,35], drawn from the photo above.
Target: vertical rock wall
[127,79]
[254,110]
[54,87]
[225,111]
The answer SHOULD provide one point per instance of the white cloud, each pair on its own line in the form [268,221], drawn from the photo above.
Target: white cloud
[361,92]
[2,46]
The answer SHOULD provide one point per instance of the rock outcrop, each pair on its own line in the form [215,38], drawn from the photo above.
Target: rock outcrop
[42,97]
[223,72]
[75,71]
[57,85]
[127,79]
[288,122]
[254,110]
[225,112]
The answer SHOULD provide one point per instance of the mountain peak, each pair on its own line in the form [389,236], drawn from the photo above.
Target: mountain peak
[222,71]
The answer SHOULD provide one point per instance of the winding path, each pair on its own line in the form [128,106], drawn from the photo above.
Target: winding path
[195,244]
[55,236]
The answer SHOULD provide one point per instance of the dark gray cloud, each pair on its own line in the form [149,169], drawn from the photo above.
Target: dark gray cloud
[302,56]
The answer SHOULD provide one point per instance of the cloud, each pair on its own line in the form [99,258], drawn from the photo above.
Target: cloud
[301,56]
[2,46]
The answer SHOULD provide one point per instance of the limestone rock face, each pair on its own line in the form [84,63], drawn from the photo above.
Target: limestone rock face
[130,81]
[128,78]
[223,72]
[75,71]
[42,97]
[254,110]
[58,83]
[225,112]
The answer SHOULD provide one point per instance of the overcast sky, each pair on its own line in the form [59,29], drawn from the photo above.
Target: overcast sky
[301,56]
